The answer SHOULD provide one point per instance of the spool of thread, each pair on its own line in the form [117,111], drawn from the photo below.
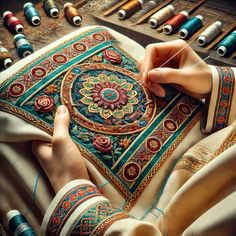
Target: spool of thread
[18,224]
[129,9]
[210,33]
[161,16]
[51,8]
[175,22]
[24,48]
[12,23]
[31,14]
[228,45]
[5,57]
[190,27]
[72,14]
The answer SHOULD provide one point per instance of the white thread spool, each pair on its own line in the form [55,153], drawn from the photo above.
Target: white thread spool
[210,33]
[161,16]
[122,13]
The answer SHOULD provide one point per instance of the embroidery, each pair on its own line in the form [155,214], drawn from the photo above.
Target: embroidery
[119,126]
[224,99]
[71,200]
[190,163]
[96,219]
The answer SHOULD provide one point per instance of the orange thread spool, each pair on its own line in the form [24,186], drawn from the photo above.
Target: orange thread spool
[129,9]
[72,14]
[175,22]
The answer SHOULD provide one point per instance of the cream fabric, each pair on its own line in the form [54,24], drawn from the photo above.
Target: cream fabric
[19,169]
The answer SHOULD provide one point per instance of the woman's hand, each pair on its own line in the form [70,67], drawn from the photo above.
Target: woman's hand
[60,159]
[186,71]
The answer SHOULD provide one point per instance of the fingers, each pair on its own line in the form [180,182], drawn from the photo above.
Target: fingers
[61,126]
[155,53]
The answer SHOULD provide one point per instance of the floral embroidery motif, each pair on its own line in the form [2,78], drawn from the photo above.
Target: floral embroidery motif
[108,96]
[16,89]
[51,89]
[131,171]
[44,104]
[39,73]
[102,143]
[112,56]
[224,99]
[153,144]
[59,58]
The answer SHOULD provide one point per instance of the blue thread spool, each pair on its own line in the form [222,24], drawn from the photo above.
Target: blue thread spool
[24,48]
[18,225]
[227,45]
[31,13]
[51,8]
[190,27]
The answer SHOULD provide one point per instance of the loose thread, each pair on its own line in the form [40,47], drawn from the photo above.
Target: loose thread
[72,14]
[161,16]
[165,233]
[129,9]
[210,33]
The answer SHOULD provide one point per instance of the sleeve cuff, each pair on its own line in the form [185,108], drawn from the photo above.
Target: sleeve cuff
[79,208]
[221,110]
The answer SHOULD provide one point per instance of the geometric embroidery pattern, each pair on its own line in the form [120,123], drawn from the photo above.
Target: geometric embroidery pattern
[96,219]
[224,99]
[70,201]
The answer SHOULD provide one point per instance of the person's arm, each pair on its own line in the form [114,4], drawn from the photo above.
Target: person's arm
[187,72]
[78,207]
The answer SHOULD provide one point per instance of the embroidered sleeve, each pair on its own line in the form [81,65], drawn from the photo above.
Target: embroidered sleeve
[79,209]
[221,109]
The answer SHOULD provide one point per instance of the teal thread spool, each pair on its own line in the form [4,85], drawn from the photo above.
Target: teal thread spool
[51,8]
[190,27]
[228,45]
[24,48]
[18,225]
[31,14]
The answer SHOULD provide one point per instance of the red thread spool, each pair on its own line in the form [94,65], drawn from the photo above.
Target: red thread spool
[12,23]
[175,22]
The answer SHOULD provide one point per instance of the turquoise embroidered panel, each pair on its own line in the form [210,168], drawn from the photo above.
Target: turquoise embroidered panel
[119,126]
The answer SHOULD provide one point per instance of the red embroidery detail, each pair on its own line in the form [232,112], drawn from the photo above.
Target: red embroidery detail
[185,109]
[170,125]
[39,73]
[99,37]
[131,171]
[59,58]
[102,143]
[44,104]
[153,144]
[16,89]
[112,56]
[80,47]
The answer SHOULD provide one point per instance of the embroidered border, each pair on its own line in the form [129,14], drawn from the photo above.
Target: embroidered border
[190,163]
[71,200]
[224,98]
[96,219]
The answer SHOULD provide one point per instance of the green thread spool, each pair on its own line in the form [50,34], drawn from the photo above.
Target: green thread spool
[190,27]
[228,45]
[18,224]
[24,48]
[32,15]
[51,8]
[5,57]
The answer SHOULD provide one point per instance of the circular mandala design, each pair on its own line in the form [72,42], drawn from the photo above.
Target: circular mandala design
[170,125]
[184,109]
[100,95]
[131,171]
[59,58]
[39,72]
[112,56]
[16,89]
[80,47]
[153,144]
[99,37]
